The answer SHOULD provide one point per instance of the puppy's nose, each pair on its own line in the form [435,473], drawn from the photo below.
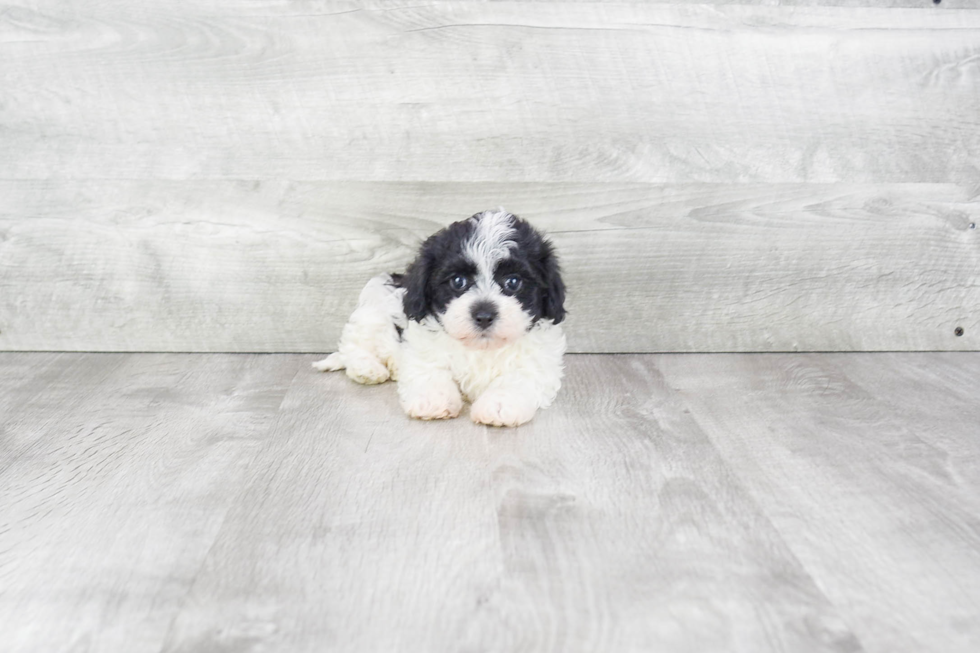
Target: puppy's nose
[484,313]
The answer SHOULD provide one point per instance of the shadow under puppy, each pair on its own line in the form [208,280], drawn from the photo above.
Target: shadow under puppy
[475,317]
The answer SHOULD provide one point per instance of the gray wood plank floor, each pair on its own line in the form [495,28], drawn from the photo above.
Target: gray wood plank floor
[766,502]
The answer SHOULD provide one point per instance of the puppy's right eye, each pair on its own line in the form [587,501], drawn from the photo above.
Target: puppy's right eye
[459,282]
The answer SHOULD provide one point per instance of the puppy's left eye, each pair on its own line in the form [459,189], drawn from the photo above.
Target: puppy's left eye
[459,282]
[513,283]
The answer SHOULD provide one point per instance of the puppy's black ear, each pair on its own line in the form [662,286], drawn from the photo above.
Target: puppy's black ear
[553,299]
[416,285]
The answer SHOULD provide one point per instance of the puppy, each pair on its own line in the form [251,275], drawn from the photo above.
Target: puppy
[474,318]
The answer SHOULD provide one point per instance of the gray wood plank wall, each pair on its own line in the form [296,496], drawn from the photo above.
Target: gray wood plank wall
[223,176]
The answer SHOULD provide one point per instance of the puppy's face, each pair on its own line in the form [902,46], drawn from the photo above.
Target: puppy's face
[485,280]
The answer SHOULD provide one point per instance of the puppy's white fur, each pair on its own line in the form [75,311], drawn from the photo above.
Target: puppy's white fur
[511,322]
[368,347]
[490,243]
[506,384]
[436,372]
[507,372]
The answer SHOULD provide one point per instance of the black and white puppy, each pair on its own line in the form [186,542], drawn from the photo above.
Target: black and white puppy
[474,318]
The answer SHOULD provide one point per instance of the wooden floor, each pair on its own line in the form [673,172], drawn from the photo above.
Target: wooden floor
[199,503]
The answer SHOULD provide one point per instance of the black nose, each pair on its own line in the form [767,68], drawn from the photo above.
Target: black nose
[484,313]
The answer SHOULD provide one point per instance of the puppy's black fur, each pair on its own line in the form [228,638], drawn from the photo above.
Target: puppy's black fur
[427,281]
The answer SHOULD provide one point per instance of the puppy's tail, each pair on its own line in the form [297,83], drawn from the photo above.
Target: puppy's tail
[331,363]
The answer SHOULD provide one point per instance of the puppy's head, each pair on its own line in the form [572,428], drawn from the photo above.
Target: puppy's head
[485,280]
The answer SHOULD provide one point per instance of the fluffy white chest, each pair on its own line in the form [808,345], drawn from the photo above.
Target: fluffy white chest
[534,360]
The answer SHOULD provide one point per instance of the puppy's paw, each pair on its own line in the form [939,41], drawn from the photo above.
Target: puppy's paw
[501,409]
[437,403]
[368,371]
[331,363]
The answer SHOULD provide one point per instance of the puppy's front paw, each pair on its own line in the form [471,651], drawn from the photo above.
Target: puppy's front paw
[500,409]
[436,403]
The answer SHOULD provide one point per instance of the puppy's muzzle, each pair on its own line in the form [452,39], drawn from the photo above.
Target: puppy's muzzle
[484,314]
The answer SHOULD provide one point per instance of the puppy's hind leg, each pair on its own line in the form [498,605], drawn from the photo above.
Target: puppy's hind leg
[364,366]
[369,342]
[331,363]
[361,365]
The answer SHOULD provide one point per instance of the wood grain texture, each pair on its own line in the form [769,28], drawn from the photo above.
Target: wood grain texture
[610,523]
[511,91]
[378,531]
[115,475]
[623,530]
[868,466]
[223,176]
[277,266]
[788,502]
